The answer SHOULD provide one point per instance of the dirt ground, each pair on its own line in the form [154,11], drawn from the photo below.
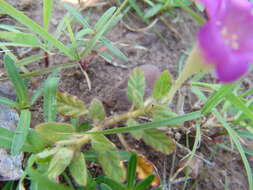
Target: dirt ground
[143,47]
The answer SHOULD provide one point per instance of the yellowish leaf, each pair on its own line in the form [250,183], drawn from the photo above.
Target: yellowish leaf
[146,168]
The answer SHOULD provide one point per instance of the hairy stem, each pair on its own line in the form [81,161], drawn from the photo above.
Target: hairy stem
[81,139]
[194,64]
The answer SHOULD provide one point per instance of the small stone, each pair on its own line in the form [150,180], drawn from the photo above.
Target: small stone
[10,166]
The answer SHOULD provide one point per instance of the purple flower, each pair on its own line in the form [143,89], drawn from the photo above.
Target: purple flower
[226,40]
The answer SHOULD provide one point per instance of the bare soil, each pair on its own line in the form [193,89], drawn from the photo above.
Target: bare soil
[143,47]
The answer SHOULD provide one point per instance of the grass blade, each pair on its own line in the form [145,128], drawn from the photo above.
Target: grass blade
[39,91]
[104,18]
[6,138]
[8,102]
[114,49]
[21,38]
[50,105]
[232,134]
[76,14]
[21,132]
[10,28]
[33,26]
[47,12]
[29,59]
[240,105]
[131,172]
[111,183]
[169,122]
[217,97]
[145,183]
[17,81]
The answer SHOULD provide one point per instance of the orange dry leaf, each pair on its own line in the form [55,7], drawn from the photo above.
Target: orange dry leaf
[146,168]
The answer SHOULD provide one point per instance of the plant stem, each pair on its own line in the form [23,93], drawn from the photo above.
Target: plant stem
[123,142]
[84,138]
[194,64]
[133,114]
[97,36]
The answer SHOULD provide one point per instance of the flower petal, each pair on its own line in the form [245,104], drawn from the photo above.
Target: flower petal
[231,70]
[211,6]
[212,44]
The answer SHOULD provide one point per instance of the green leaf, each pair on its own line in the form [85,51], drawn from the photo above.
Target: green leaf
[136,134]
[17,81]
[99,33]
[168,122]
[8,185]
[83,32]
[178,3]
[136,87]
[111,183]
[53,131]
[217,97]
[159,141]
[96,110]
[10,28]
[131,172]
[153,10]
[69,105]
[21,38]
[108,157]
[232,134]
[143,185]
[92,155]
[30,59]
[76,14]
[60,162]
[49,104]
[104,18]
[6,138]
[33,26]
[46,154]
[162,86]
[39,91]
[162,112]
[44,182]
[36,141]
[21,132]
[78,169]
[8,102]
[113,49]
[239,146]
[47,12]
[240,105]
[134,5]
[104,187]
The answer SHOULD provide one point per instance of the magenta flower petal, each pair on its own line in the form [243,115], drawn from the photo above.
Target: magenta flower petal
[212,44]
[211,6]
[231,70]
[226,40]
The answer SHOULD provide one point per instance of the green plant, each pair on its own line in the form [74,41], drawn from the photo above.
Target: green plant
[57,158]
[83,44]
[131,183]
[57,146]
